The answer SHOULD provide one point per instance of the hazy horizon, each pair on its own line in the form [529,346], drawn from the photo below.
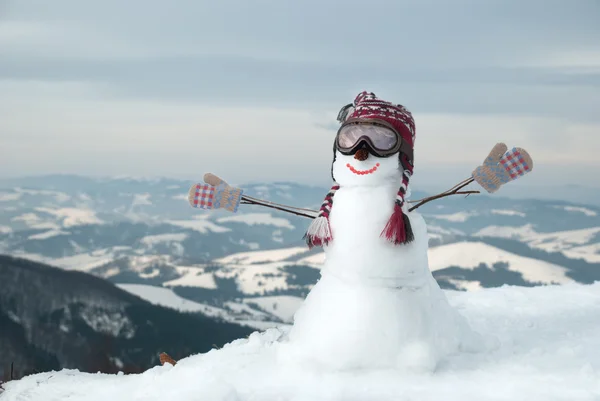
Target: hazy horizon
[572,193]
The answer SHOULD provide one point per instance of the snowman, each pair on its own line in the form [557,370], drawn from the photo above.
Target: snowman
[376,304]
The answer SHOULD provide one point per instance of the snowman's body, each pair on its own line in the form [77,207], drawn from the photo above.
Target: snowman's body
[377,304]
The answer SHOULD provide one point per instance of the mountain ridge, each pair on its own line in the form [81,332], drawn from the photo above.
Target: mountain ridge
[139,232]
[72,319]
[570,193]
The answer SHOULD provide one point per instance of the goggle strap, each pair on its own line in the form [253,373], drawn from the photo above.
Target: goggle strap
[343,114]
[407,150]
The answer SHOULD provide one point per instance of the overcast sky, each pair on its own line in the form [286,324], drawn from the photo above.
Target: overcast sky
[250,89]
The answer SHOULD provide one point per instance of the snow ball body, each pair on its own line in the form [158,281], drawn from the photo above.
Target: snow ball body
[377,304]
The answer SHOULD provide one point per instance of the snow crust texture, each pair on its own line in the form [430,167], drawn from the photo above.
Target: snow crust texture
[549,349]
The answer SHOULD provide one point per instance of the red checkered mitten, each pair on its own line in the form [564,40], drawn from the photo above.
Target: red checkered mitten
[215,194]
[502,166]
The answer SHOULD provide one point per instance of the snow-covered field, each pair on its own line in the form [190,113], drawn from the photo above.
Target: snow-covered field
[201,225]
[84,261]
[151,240]
[549,349]
[276,255]
[192,277]
[560,241]
[166,297]
[281,307]
[459,217]
[258,218]
[71,217]
[469,255]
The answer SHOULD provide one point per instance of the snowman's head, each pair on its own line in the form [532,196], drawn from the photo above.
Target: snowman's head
[374,146]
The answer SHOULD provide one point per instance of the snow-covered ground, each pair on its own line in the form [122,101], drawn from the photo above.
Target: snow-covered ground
[71,216]
[549,349]
[251,279]
[459,217]
[505,212]
[469,255]
[239,313]
[572,243]
[166,297]
[258,218]
[586,211]
[202,226]
[589,253]
[151,240]
[192,277]
[48,234]
[276,255]
[282,306]
[84,261]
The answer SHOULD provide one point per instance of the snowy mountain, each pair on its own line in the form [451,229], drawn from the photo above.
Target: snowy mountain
[51,319]
[575,244]
[547,348]
[472,265]
[271,281]
[252,265]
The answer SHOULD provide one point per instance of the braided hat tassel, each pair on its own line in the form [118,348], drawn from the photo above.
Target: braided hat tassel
[398,229]
[319,231]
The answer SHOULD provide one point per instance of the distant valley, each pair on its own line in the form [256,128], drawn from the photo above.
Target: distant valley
[252,268]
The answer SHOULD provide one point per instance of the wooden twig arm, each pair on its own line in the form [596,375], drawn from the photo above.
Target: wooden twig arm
[429,199]
[455,190]
[311,214]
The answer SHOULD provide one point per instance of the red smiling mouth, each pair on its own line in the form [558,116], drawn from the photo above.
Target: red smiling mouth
[362,172]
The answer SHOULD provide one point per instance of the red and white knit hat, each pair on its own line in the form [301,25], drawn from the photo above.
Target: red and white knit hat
[367,106]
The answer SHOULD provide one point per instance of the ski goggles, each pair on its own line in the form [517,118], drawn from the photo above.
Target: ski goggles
[379,136]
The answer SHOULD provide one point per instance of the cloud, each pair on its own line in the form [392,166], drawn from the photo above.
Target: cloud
[60,128]
[175,87]
[459,33]
[238,82]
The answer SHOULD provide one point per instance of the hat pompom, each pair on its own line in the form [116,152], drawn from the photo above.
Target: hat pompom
[398,229]
[364,95]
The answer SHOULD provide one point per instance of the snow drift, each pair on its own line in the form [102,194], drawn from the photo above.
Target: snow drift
[549,349]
